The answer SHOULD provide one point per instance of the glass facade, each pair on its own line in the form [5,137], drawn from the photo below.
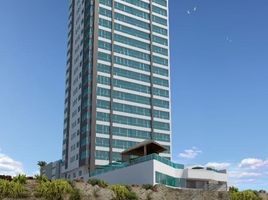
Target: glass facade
[133,66]
[118,91]
[169,180]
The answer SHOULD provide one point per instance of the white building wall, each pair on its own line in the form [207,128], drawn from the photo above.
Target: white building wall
[139,174]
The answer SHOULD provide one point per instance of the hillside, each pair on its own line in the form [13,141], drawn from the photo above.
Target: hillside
[98,190]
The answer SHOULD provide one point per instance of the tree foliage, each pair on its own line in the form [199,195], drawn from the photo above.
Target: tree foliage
[235,194]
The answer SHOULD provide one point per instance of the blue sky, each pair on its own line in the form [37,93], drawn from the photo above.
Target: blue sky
[219,68]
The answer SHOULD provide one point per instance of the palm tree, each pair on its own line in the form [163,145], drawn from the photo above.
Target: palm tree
[41,165]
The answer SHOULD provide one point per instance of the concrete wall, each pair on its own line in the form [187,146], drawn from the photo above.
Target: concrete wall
[139,174]
[202,174]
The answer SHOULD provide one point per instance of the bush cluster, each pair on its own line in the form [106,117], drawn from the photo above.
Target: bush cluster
[14,188]
[98,182]
[123,193]
[235,194]
[53,190]
[21,178]
[41,178]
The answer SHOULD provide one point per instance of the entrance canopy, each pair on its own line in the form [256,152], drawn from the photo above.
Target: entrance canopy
[144,148]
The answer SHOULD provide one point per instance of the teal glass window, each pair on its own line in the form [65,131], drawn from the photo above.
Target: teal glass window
[160,50]
[102,129]
[131,42]
[132,86]
[131,97]
[103,117]
[102,155]
[131,75]
[105,34]
[161,2]
[161,92]
[161,137]
[131,133]
[139,3]
[104,56]
[160,11]
[131,10]
[131,109]
[159,20]
[160,81]
[161,114]
[161,126]
[131,63]
[103,92]
[102,142]
[169,180]
[160,30]
[105,12]
[104,80]
[103,104]
[105,45]
[132,21]
[160,71]
[132,53]
[160,40]
[116,156]
[131,31]
[104,68]
[106,2]
[161,61]
[122,144]
[105,23]
[131,121]
[161,103]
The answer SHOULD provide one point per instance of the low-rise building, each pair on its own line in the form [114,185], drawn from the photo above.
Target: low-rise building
[142,165]
[52,170]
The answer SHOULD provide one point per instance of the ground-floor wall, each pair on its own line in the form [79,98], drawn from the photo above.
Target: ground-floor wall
[141,173]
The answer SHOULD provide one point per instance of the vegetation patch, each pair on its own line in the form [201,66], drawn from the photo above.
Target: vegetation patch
[12,189]
[54,190]
[123,193]
[235,194]
[22,179]
[98,182]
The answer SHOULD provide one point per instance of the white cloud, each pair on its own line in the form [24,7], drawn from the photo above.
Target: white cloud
[8,166]
[243,181]
[219,166]
[190,153]
[195,8]
[253,163]
[188,12]
[241,174]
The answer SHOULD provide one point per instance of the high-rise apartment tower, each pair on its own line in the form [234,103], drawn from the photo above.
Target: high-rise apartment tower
[117,81]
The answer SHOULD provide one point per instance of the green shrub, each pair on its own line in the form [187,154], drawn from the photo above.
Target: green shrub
[75,195]
[41,178]
[21,178]
[98,182]
[11,189]
[53,190]
[244,195]
[122,193]
[147,187]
